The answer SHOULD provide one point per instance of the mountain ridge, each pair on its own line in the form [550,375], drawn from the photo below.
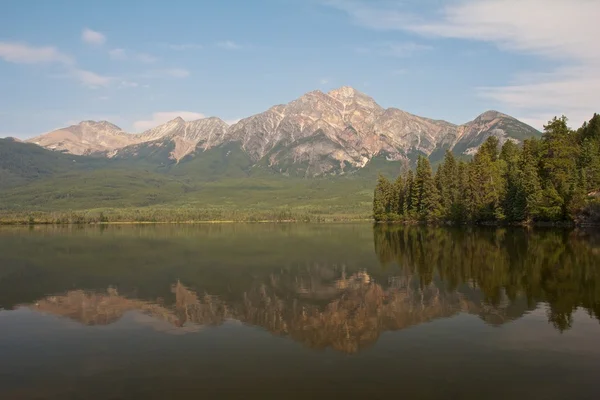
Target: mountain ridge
[333,133]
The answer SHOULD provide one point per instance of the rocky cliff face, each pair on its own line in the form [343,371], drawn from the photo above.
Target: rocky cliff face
[318,133]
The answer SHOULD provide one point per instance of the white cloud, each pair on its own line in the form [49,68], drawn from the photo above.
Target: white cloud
[162,117]
[165,73]
[402,49]
[324,81]
[21,53]
[393,49]
[92,37]
[122,54]
[128,84]
[89,78]
[145,58]
[562,31]
[185,46]
[117,54]
[177,72]
[229,45]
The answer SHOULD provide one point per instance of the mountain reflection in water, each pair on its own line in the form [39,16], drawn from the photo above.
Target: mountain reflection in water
[298,311]
[424,274]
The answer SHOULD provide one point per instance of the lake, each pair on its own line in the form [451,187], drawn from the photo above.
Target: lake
[296,311]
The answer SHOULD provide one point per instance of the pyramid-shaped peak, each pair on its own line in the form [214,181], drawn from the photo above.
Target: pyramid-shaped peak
[177,120]
[345,92]
[491,115]
[348,95]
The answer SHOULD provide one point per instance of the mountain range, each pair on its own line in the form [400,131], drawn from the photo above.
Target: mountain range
[318,134]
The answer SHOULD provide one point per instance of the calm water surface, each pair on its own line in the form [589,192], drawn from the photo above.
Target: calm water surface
[298,311]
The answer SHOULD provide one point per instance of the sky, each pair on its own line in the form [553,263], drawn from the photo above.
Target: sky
[141,63]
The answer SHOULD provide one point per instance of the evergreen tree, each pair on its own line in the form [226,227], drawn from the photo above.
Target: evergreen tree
[381,199]
[428,201]
[447,184]
[488,182]
[529,197]
[399,196]
[411,197]
[545,180]
[559,163]
[512,203]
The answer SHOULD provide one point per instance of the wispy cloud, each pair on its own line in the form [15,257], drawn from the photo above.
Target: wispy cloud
[324,81]
[393,49]
[122,54]
[399,71]
[145,58]
[128,84]
[178,73]
[21,53]
[184,46]
[117,54]
[89,78]
[405,49]
[229,45]
[159,118]
[548,29]
[90,36]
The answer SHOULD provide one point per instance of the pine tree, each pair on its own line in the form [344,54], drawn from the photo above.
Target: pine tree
[546,180]
[512,204]
[529,198]
[428,202]
[399,196]
[462,211]
[380,199]
[447,184]
[559,160]
[410,199]
[489,186]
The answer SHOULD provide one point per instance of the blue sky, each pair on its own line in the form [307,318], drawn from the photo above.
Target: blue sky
[140,63]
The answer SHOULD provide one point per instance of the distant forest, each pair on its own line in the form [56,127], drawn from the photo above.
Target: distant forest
[552,179]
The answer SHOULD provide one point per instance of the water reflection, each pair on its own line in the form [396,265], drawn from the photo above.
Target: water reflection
[423,274]
[560,267]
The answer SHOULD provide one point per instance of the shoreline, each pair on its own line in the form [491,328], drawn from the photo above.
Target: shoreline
[325,221]
[24,223]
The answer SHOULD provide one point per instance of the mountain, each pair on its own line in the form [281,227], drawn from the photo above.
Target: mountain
[317,134]
[85,138]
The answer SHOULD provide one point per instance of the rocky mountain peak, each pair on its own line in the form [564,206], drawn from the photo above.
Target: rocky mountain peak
[100,125]
[349,96]
[490,115]
[316,134]
[345,92]
[177,120]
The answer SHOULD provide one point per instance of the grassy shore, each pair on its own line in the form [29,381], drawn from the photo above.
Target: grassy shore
[167,215]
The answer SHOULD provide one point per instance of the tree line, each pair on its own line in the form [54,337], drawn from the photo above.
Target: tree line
[552,179]
[559,267]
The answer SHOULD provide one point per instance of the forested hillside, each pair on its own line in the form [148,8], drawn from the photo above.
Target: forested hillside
[552,179]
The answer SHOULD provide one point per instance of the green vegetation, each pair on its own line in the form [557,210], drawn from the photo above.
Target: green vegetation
[41,186]
[555,180]
[560,267]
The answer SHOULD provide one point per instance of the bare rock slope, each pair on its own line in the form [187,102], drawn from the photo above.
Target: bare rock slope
[318,133]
